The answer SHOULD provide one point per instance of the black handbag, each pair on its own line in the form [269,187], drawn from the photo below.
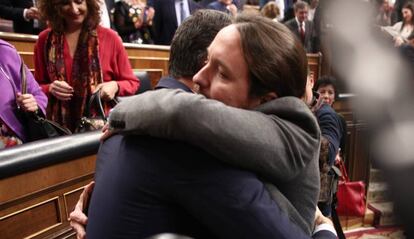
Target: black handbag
[89,122]
[35,124]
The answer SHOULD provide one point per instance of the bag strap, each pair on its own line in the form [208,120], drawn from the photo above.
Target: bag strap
[344,176]
[96,102]
[23,77]
[335,219]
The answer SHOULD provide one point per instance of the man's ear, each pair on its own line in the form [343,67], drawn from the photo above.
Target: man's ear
[268,97]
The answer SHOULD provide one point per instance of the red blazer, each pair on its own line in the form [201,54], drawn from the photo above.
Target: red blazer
[112,55]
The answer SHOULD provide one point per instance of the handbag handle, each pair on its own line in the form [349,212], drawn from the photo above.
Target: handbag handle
[344,173]
[96,99]
[24,78]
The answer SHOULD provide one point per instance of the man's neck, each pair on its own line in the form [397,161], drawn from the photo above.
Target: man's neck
[188,81]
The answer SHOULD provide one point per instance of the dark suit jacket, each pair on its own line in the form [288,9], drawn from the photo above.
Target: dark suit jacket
[146,186]
[165,19]
[309,33]
[13,10]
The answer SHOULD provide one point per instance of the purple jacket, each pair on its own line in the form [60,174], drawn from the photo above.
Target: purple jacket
[9,83]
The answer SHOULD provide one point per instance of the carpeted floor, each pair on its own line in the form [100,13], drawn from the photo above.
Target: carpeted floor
[376,233]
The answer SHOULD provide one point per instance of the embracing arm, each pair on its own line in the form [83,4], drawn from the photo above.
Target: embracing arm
[266,144]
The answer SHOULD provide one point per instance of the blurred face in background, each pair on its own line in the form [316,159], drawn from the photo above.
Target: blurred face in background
[74,12]
[302,14]
[327,93]
[314,3]
[407,15]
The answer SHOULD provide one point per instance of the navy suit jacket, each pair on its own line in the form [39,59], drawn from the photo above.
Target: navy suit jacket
[146,186]
[13,10]
[165,19]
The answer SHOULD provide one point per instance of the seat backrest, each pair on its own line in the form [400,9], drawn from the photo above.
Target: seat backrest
[145,82]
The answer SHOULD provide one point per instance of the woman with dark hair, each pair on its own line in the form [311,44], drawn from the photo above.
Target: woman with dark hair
[401,30]
[76,57]
[133,20]
[328,91]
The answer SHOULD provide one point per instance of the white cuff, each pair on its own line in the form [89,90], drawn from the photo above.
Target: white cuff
[24,15]
[325,227]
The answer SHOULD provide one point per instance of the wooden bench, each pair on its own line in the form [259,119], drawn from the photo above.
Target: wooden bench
[40,183]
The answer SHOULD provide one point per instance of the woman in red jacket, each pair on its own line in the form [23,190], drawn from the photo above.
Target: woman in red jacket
[75,57]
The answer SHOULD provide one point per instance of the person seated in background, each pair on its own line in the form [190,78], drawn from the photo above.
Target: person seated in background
[76,57]
[23,13]
[227,6]
[12,132]
[221,207]
[271,10]
[401,30]
[133,21]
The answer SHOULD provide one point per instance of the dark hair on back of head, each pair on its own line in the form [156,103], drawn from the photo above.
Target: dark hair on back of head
[276,59]
[51,11]
[188,50]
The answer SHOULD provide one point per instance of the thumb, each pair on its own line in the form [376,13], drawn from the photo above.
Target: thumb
[98,87]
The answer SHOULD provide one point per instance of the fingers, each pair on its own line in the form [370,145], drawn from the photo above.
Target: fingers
[78,219]
[61,90]
[62,86]
[78,216]
[106,134]
[27,102]
[108,90]
[89,188]
[79,229]
[62,96]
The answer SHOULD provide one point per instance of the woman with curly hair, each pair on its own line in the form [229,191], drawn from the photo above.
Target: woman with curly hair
[76,57]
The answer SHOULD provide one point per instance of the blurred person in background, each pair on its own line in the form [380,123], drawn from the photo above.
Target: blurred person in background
[271,10]
[401,30]
[227,6]
[23,13]
[133,21]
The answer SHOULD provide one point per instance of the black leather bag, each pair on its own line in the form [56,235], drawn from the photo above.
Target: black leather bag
[37,127]
[89,122]
[35,124]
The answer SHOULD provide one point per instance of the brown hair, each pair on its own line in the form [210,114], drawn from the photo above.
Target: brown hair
[409,6]
[300,5]
[188,51]
[270,10]
[51,11]
[276,59]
